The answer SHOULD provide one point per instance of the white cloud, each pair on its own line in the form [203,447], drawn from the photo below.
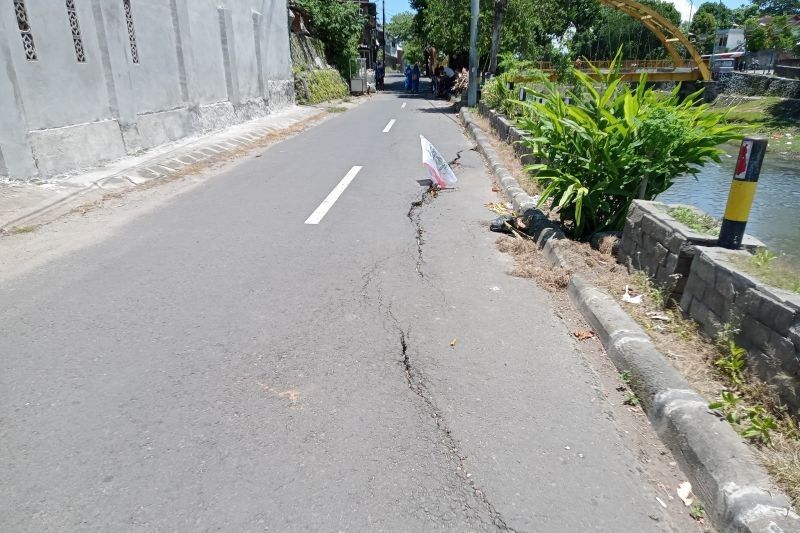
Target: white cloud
[684,8]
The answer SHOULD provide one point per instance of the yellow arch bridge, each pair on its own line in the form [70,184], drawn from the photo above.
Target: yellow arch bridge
[676,68]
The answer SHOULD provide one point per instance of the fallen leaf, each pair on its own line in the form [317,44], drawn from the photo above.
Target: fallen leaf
[453,343]
[583,335]
[495,189]
[685,493]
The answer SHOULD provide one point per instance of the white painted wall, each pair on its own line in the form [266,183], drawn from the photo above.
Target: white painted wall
[203,64]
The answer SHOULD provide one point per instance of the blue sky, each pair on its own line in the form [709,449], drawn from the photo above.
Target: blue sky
[684,6]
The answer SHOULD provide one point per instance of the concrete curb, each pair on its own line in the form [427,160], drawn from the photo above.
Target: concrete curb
[547,234]
[737,492]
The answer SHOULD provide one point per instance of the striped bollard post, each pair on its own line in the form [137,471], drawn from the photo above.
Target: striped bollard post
[743,189]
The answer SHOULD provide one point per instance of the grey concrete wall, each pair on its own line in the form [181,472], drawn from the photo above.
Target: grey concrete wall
[202,65]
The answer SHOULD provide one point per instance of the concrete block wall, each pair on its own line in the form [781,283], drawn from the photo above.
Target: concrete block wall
[150,72]
[749,84]
[768,319]
[508,132]
[656,243]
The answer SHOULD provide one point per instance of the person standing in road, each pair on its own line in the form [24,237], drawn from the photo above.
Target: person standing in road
[415,78]
[380,73]
[408,78]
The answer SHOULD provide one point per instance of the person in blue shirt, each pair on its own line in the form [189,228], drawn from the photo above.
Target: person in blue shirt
[408,78]
[415,78]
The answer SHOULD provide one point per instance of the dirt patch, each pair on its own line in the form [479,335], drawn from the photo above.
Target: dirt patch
[529,263]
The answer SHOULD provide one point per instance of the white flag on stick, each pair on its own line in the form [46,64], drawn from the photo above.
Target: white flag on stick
[438,170]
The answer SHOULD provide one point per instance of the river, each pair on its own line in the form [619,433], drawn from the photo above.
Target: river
[775,217]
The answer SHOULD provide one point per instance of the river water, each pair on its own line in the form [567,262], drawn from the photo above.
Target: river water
[775,216]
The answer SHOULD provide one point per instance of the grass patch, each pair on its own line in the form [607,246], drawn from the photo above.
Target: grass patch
[336,109]
[693,219]
[769,116]
[17,230]
[317,86]
[772,269]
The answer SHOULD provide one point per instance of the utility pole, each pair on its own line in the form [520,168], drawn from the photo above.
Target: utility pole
[384,32]
[472,91]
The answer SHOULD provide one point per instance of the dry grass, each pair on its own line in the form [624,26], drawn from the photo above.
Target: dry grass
[782,461]
[529,263]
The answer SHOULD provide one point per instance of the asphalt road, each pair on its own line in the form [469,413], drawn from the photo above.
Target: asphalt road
[221,364]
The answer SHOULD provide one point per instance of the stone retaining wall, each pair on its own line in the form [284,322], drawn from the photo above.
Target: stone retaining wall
[713,291]
[508,132]
[748,84]
[717,292]
[659,245]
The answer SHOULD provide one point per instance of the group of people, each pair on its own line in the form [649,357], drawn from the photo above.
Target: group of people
[442,79]
[412,78]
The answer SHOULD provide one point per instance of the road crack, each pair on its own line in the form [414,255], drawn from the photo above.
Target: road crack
[415,216]
[416,383]
[454,162]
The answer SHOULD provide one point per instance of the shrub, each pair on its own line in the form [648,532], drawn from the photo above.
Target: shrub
[315,86]
[613,143]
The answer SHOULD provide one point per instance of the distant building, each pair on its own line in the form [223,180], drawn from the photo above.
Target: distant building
[730,40]
[371,39]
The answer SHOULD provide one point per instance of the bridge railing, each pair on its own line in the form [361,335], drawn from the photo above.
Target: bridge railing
[628,64]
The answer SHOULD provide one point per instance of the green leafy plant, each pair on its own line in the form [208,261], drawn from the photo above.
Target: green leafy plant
[760,425]
[631,399]
[763,258]
[605,143]
[699,222]
[625,376]
[339,25]
[697,511]
[732,363]
[728,405]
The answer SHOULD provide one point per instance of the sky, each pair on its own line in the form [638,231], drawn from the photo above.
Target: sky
[683,6]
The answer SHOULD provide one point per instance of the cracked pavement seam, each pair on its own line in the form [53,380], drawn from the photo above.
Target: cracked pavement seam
[415,216]
[416,384]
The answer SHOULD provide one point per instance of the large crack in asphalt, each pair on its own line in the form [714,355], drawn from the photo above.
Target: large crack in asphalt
[415,380]
[415,216]
[416,384]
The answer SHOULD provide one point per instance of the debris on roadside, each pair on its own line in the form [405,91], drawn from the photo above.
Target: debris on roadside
[628,297]
[583,335]
[502,224]
[684,491]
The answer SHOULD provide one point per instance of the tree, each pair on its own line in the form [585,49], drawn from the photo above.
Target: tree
[775,33]
[778,7]
[500,8]
[612,29]
[722,14]
[703,28]
[401,26]
[742,13]
[339,25]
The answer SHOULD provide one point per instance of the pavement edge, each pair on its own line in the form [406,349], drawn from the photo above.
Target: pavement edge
[736,490]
